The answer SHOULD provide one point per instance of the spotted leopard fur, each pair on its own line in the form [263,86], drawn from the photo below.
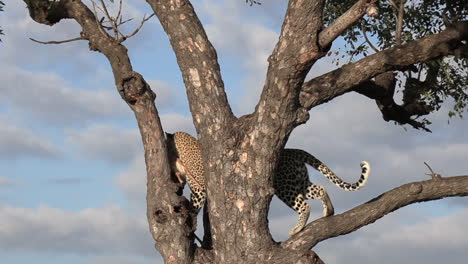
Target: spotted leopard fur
[291,180]
[186,161]
[292,185]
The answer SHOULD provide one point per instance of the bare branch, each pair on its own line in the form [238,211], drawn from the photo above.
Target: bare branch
[119,13]
[111,19]
[57,41]
[350,17]
[106,12]
[123,38]
[435,176]
[98,22]
[124,21]
[367,213]
[95,5]
[364,33]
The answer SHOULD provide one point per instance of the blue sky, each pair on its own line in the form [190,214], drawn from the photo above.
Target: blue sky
[72,177]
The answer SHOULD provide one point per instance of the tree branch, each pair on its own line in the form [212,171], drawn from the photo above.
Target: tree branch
[57,41]
[294,54]
[125,37]
[198,63]
[170,222]
[350,17]
[335,83]
[382,91]
[399,25]
[376,208]
[364,33]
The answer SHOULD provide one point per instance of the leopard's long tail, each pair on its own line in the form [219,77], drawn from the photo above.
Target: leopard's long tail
[327,172]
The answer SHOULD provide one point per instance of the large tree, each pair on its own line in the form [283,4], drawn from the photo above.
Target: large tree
[418,48]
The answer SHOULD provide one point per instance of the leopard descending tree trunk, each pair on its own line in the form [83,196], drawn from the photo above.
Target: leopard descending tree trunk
[186,162]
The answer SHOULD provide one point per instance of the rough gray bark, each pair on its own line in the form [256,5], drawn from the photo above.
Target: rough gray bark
[335,83]
[240,154]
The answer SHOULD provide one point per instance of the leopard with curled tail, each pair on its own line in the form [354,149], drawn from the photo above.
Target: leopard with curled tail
[292,185]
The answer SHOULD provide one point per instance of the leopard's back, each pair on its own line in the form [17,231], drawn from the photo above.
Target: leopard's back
[190,155]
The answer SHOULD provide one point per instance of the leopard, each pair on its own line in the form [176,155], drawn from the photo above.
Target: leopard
[186,162]
[290,181]
[292,185]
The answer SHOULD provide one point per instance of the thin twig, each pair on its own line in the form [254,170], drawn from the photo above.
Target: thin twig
[434,175]
[56,42]
[99,25]
[364,33]
[125,21]
[106,12]
[119,12]
[136,30]
[95,4]
[393,4]
[112,20]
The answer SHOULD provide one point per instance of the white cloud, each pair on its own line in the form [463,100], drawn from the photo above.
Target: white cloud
[18,49]
[350,129]
[433,240]
[19,27]
[119,145]
[47,96]
[409,231]
[5,182]
[166,95]
[94,231]
[176,122]
[449,231]
[16,142]
[132,182]
[248,41]
[107,142]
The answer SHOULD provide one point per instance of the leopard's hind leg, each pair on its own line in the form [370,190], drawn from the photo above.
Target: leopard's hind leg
[313,191]
[295,200]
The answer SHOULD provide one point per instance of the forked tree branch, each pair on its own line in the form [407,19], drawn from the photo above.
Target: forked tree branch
[198,62]
[115,22]
[335,83]
[294,54]
[125,37]
[367,213]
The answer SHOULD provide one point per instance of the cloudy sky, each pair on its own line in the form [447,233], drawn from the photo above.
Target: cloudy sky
[72,181]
